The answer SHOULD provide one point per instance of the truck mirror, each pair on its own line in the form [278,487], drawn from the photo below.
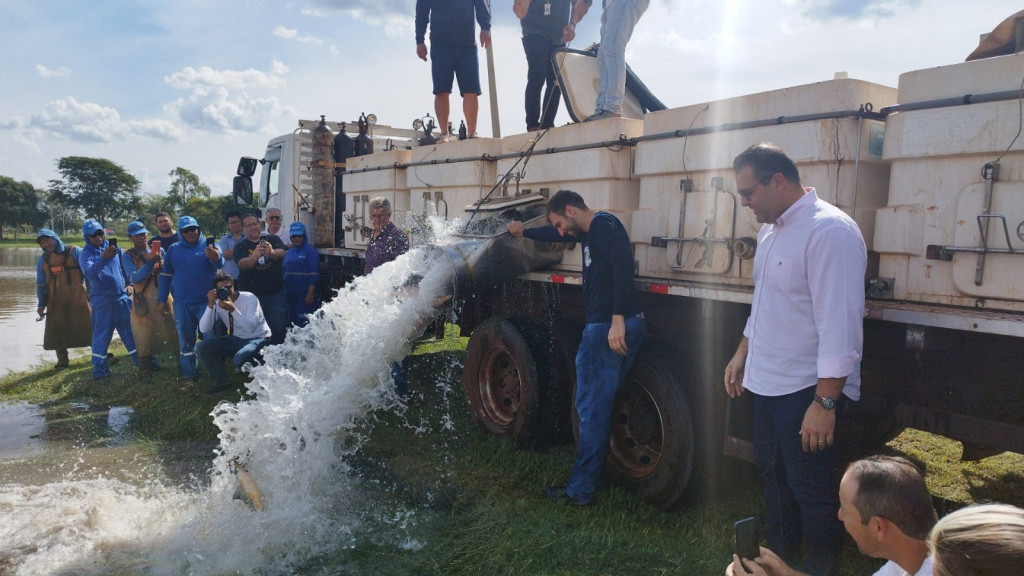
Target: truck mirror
[246,166]
[241,190]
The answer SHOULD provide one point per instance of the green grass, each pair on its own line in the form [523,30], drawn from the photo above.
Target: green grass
[477,499]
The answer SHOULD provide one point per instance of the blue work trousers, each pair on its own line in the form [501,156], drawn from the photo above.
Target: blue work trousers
[800,493]
[109,314]
[186,318]
[599,373]
[214,350]
[617,22]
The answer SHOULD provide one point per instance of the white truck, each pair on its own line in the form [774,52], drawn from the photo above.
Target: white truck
[933,172]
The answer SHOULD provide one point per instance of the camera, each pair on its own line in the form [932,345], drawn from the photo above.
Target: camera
[224,292]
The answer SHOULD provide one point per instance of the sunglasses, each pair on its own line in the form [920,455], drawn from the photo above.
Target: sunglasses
[746,193]
[96,234]
[273,217]
[190,230]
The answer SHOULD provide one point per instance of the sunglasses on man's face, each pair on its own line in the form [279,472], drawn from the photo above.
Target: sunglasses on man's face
[96,234]
[190,230]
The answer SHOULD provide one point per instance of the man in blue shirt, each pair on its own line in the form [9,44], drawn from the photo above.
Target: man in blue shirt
[189,268]
[611,338]
[111,306]
[453,51]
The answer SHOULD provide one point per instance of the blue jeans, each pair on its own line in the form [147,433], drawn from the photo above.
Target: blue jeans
[186,319]
[107,315]
[214,350]
[800,493]
[599,373]
[617,23]
[275,310]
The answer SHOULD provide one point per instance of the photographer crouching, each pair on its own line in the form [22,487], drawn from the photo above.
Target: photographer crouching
[233,327]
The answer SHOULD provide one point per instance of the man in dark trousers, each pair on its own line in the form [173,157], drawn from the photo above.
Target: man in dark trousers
[611,338]
[547,25]
[800,352]
[453,52]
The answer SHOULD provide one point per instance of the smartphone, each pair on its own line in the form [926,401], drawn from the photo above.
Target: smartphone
[113,242]
[155,246]
[209,242]
[745,539]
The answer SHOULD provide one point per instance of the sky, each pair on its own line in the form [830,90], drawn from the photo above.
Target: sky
[155,85]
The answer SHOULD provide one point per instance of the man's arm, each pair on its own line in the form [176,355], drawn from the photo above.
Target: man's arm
[422,18]
[520,8]
[734,370]
[836,264]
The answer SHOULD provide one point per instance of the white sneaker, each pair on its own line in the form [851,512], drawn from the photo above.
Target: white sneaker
[445,139]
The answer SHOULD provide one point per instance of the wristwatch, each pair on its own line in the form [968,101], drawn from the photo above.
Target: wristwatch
[826,402]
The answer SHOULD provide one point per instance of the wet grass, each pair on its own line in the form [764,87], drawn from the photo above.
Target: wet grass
[475,500]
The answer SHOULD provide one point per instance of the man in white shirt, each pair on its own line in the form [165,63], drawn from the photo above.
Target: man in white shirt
[275,226]
[233,327]
[800,352]
[886,508]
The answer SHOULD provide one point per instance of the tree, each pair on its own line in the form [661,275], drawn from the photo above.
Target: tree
[184,186]
[98,187]
[209,212]
[19,205]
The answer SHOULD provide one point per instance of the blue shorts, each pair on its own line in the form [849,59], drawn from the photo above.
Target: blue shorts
[451,62]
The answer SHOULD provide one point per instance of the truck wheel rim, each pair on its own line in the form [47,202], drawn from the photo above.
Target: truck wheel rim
[500,385]
[636,438]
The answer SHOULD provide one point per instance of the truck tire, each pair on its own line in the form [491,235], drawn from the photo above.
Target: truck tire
[502,386]
[651,448]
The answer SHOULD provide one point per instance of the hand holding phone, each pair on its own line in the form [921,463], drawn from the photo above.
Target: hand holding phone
[746,540]
[155,246]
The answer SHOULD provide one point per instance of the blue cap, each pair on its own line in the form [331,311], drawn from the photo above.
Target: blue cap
[136,228]
[297,229]
[187,222]
[90,227]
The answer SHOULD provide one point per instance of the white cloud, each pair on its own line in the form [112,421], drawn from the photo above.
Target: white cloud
[70,119]
[215,109]
[190,78]
[293,34]
[45,72]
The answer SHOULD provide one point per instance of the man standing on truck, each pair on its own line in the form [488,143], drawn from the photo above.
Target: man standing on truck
[800,352]
[453,54]
[547,25]
[611,338]
[617,23]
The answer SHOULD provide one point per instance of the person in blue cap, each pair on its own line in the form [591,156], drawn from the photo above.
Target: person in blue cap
[301,274]
[61,296]
[189,267]
[154,332]
[111,306]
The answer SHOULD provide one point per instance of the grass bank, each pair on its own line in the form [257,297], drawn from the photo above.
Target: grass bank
[479,501]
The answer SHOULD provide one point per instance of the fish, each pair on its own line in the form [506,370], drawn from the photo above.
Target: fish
[246,489]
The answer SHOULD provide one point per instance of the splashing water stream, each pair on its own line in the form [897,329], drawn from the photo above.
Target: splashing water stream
[292,433]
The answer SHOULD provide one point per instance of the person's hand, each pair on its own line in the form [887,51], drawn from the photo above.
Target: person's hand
[229,253]
[109,252]
[568,33]
[515,228]
[819,425]
[212,253]
[734,374]
[421,51]
[309,300]
[211,298]
[617,335]
[752,567]
[153,255]
[41,311]
[227,305]
[164,307]
[485,38]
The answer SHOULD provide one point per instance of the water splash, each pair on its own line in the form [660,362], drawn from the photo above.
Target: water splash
[292,434]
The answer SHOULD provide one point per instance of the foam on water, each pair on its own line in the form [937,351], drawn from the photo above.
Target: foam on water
[292,434]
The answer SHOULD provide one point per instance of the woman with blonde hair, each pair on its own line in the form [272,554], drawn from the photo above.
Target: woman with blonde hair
[982,540]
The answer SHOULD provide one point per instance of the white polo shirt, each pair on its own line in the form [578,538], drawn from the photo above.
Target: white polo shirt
[247,319]
[893,569]
[807,317]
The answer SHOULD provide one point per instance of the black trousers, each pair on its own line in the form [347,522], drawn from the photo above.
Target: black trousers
[540,72]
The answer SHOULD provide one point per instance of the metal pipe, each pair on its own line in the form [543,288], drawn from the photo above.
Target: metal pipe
[955,101]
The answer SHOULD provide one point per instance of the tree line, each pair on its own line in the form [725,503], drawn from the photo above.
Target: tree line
[101,189]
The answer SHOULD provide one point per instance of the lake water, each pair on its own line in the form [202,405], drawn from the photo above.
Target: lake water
[22,335]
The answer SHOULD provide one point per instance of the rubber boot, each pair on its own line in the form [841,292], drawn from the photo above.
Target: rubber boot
[62,359]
